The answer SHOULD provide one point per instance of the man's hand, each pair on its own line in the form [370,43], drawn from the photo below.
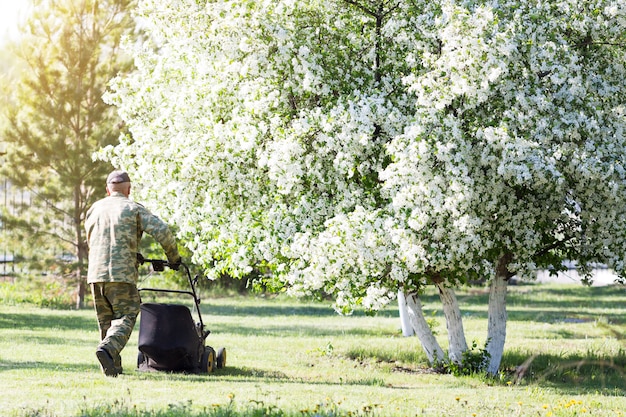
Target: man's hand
[175,265]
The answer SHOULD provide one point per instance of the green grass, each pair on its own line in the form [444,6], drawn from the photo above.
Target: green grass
[565,356]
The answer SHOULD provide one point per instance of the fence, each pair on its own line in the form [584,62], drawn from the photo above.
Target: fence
[12,200]
[16,201]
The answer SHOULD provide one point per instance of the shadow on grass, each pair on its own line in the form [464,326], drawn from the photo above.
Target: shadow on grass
[564,315]
[6,365]
[300,330]
[228,373]
[555,314]
[253,375]
[571,298]
[55,341]
[391,355]
[544,295]
[268,310]
[273,311]
[569,373]
[43,320]
[544,304]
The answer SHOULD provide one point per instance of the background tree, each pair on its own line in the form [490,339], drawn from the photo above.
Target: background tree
[360,147]
[56,119]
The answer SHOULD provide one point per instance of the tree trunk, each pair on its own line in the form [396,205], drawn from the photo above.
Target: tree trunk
[496,331]
[454,323]
[434,353]
[82,251]
[405,322]
[80,290]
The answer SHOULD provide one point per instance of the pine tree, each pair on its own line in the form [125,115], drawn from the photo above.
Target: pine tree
[55,119]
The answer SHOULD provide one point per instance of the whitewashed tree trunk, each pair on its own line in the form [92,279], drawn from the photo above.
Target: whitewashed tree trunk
[454,323]
[429,343]
[405,323]
[496,331]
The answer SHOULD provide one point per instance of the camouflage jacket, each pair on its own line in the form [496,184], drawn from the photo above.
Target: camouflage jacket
[114,228]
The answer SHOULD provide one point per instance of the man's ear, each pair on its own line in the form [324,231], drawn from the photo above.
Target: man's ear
[108,192]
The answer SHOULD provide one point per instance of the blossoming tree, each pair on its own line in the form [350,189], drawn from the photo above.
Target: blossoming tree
[359,147]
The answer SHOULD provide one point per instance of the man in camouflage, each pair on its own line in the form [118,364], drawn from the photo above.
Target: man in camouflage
[114,227]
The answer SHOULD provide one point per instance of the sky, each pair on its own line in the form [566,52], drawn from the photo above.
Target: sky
[10,12]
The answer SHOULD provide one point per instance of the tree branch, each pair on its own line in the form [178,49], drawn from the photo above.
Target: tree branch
[360,6]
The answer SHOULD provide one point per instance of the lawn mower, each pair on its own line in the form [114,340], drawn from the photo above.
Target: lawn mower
[169,339]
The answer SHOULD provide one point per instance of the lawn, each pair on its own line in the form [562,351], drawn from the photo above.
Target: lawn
[565,356]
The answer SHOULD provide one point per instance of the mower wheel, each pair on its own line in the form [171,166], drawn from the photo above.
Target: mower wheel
[207,362]
[220,361]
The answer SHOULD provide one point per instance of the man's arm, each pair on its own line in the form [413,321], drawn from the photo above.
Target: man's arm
[161,232]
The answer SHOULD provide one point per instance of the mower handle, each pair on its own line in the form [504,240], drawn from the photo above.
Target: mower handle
[158,264]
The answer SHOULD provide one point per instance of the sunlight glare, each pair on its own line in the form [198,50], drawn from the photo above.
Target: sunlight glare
[11,12]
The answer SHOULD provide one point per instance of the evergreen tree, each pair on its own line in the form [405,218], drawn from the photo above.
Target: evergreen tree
[55,119]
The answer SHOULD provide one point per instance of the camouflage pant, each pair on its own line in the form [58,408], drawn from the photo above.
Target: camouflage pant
[117,308]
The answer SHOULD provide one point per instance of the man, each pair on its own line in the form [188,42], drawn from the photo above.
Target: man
[114,227]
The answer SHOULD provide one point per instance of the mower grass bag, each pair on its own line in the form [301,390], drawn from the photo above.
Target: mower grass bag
[168,339]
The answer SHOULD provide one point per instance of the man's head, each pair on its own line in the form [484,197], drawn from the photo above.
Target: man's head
[118,181]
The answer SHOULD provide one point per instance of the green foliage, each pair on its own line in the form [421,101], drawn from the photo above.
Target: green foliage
[474,361]
[432,322]
[326,350]
[41,291]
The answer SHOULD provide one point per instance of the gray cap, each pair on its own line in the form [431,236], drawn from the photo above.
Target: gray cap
[118,177]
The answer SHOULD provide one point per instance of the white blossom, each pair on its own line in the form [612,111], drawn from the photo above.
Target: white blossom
[274,134]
